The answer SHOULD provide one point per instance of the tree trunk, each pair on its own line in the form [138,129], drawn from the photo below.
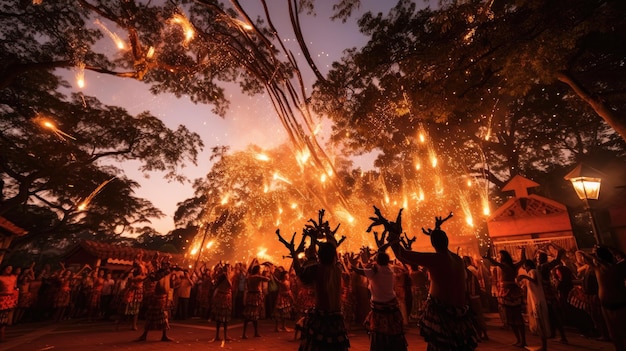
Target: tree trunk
[613,120]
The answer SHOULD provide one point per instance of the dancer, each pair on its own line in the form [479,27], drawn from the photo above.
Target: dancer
[283,307]
[545,267]
[536,304]
[157,315]
[222,302]
[611,274]
[384,322]
[132,295]
[510,294]
[253,298]
[8,298]
[446,323]
[323,328]
[474,298]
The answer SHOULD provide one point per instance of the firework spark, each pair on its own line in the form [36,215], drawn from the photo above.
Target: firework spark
[80,75]
[85,203]
[186,26]
[116,39]
[49,124]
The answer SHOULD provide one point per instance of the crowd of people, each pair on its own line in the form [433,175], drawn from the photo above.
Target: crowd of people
[323,294]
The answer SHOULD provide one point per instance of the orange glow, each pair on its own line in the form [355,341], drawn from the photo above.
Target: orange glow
[150,52]
[187,27]
[80,75]
[116,39]
[262,157]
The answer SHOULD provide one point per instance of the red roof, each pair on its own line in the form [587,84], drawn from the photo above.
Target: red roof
[118,252]
[7,225]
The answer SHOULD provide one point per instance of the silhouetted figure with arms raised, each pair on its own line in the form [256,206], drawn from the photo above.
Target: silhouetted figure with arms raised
[323,328]
[446,323]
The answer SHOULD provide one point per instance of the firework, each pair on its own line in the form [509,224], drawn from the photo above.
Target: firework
[186,26]
[49,124]
[119,43]
[80,75]
[85,203]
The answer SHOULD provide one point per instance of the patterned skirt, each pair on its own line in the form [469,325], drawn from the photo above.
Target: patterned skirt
[253,305]
[156,313]
[131,302]
[62,298]
[284,307]
[222,306]
[322,331]
[384,324]
[25,299]
[447,327]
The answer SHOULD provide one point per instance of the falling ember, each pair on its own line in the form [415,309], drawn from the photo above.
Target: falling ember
[225,199]
[421,137]
[486,209]
[96,191]
[294,206]
[185,25]
[150,52]
[266,188]
[466,208]
[323,178]
[80,75]
[194,251]
[116,39]
[303,156]
[210,244]
[262,157]
[46,123]
[418,166]
[242,24]
[277,176]
[433,161]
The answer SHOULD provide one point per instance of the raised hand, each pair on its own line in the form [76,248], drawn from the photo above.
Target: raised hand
[393,229]
[293,251]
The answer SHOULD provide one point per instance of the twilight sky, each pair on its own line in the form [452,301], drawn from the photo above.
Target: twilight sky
[250,120]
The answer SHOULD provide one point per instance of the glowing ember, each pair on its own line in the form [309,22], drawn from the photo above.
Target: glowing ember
[116,39]
[48,124]
[262,157]
[187,27]
[80,75]
[93,194]
[150,53]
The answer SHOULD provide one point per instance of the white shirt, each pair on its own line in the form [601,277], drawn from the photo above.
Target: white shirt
[381,283]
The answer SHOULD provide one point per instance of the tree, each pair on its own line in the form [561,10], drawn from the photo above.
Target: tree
[66,165]
[480,77]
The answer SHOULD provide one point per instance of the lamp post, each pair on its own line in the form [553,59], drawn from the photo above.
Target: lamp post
[586,181]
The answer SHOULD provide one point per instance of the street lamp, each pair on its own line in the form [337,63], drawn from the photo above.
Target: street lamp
[586,181]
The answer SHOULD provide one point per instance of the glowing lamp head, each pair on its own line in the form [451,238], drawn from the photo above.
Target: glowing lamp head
[586,181]
[586,188]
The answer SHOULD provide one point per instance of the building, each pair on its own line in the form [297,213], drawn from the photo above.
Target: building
[530,221]
[8,231]
[109,256]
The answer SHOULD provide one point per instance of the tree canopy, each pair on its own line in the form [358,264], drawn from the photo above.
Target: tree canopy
[481,89]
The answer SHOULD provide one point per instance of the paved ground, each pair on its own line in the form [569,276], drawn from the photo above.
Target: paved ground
[196,335]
